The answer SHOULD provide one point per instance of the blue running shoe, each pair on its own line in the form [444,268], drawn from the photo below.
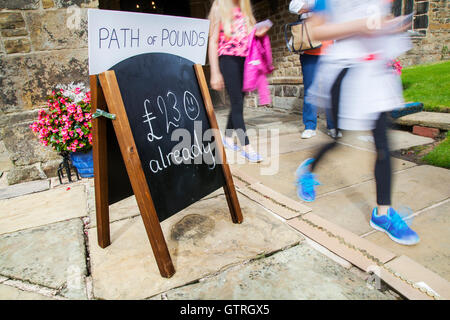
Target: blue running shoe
[252,156]
[394,226]
[233,147]
[306,181]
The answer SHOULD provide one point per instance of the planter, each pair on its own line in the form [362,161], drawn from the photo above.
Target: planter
[84,163]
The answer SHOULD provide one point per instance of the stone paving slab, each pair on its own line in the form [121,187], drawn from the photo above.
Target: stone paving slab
[298,273]
[281,121]
[52,256]
[123,209]
[239,175]
[279,204]
[11,293]
[406,290]
[271,119]
[352,239]
[269,146]
[333,244]
[128,208]
[201,239]
[285,143]
[433,251]
[24,188]
[361,257]
[421,276]
[42,208]
[398,139]
[427,119]
[341,167]
[417,188]
[344,263]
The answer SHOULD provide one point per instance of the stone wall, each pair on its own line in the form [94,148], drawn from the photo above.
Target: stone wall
[286,80]
[432,21]
[43,43]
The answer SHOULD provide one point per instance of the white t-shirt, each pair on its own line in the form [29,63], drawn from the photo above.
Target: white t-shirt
[359,47]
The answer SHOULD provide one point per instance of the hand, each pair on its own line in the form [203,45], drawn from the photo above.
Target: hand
[217,81]
[261,31]
[302,11]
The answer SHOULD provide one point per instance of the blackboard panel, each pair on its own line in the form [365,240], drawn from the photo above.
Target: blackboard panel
[119,186]
[162,96]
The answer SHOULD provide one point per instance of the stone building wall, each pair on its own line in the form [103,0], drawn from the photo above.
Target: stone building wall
[44,43]
[432,21]
[286,80]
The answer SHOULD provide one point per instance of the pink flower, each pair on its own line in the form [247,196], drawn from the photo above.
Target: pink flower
[55,126]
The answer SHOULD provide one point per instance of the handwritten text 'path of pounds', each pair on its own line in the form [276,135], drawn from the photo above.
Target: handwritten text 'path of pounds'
[133,38]
[166,108]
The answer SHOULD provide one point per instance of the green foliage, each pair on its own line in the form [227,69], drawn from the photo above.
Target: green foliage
[429,84]
[440,156]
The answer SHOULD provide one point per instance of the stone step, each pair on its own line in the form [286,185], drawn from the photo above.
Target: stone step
[24,188]
[426,119]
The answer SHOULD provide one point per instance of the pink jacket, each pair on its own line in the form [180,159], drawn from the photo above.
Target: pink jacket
[257,64]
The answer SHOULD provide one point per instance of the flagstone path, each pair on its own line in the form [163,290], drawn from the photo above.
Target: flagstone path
[48,240]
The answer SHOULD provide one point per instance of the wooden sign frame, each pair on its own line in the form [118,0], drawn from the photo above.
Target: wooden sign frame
[108,98]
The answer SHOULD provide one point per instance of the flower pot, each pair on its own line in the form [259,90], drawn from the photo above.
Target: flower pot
[84,163]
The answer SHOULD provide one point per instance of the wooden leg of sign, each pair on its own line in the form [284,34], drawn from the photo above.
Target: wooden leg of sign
[99,148]
[230,191]
[136,173]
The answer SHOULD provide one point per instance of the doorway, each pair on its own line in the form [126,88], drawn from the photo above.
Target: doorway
[167,7]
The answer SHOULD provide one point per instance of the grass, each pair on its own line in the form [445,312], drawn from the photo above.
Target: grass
[429,84]
[440,156]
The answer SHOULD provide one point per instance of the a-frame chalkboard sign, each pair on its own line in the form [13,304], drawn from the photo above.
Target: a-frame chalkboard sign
[158,100]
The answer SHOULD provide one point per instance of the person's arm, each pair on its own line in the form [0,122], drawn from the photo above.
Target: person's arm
[216,80]
[321,30]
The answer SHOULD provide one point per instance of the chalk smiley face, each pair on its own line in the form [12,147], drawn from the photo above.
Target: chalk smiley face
[191,105]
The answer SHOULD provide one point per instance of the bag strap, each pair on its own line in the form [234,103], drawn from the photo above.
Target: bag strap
[286,26]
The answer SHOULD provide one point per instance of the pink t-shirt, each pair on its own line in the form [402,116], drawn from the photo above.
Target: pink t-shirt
[237,44]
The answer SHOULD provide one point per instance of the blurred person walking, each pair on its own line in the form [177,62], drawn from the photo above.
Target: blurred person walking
[231,23]
[356,81]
